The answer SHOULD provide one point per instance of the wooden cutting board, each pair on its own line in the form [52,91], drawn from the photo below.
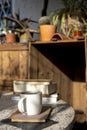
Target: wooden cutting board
[20,117]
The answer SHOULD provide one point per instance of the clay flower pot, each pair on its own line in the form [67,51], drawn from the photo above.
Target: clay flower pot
[47,31]
[59,36]
[77,34]
[10,38]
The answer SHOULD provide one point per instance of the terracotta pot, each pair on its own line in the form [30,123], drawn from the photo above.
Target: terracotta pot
[59,36]
[10,38]
[47,31]
[77,34]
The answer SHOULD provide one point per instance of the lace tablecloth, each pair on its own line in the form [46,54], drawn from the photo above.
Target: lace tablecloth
[61,117]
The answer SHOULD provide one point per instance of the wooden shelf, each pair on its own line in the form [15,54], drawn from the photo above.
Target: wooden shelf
[65,62]
[67,55]
[58,42]
[13,47]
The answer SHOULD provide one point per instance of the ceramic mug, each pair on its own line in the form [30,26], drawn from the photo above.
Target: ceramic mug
[30,103]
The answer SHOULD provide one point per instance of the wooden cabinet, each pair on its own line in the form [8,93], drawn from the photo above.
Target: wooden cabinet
[13,64]
[65,63]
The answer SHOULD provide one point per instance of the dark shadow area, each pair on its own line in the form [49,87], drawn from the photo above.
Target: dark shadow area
[80,126]
[80,118]
[69,58]
[29,125]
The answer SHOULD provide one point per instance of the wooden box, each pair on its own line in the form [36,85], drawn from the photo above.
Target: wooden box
[65,62]
[13,64]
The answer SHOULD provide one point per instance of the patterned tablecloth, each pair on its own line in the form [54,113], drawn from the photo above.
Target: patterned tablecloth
[61,117]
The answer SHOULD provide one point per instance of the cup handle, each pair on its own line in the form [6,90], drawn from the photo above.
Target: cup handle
[20,105]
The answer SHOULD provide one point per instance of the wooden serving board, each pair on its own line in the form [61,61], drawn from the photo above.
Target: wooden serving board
[20,117]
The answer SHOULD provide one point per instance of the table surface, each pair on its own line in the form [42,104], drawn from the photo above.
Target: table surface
[61,117]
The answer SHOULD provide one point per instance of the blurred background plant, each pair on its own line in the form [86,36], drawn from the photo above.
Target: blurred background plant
[70,15]
[85,26]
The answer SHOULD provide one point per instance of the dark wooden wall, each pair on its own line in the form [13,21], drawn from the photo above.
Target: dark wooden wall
[65,64]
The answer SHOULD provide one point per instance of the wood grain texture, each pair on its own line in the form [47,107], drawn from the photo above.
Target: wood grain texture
[23,64]
[45,69]
[79,96]
[60,62]
[5,65]
[33,63]
[21,117]
[13,64]
[0,65]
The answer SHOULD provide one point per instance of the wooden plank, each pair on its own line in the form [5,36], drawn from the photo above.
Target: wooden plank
[14,64]
[0,65]
[5,65]
[45,67]
[1,85]
[20,117]
[79,96]
[59,41]
[29,60]
[79,101]
[13,47]
[33,63]
[64,84]
[23,64]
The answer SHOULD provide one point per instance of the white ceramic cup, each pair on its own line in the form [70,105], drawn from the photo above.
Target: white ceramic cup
[30,103]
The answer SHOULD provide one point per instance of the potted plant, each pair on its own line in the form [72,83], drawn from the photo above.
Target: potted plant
[47,27]
[22,30]
[10,36]
[72,9]
[75,27]
[85,27]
